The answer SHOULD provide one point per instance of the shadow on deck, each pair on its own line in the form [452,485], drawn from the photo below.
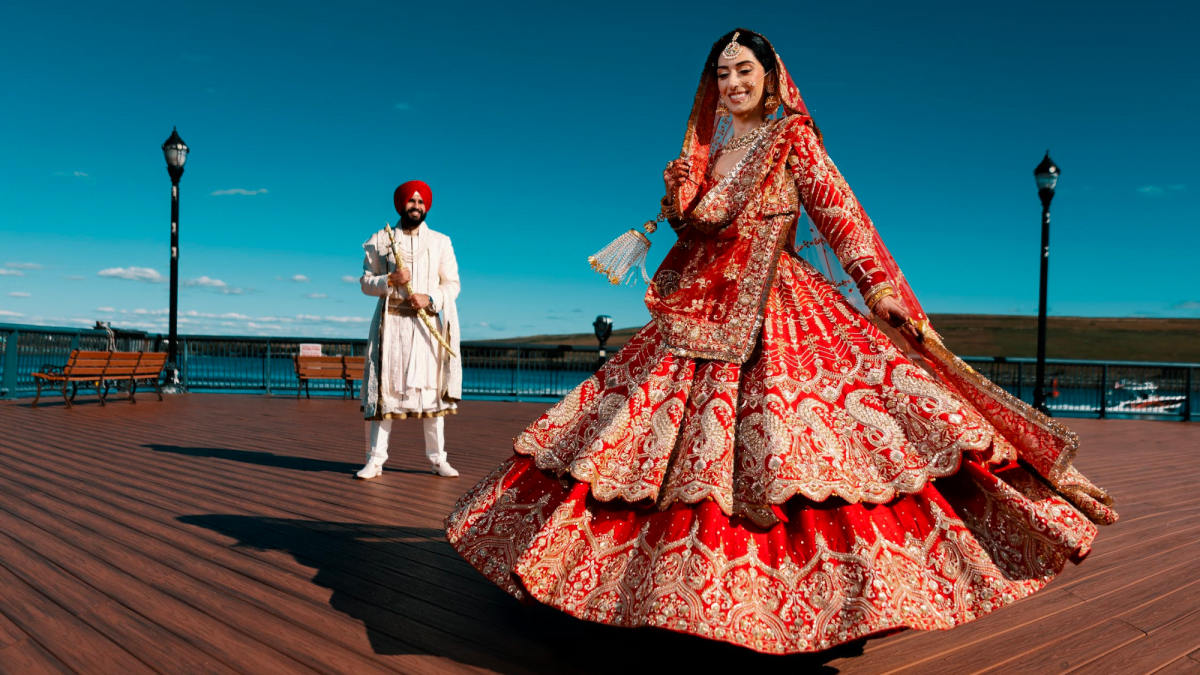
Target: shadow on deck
[225,534]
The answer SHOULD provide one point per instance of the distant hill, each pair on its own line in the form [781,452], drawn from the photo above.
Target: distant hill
[1100,339]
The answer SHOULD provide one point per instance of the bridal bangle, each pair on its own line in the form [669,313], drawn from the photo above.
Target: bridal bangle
[668,207]
[878,293]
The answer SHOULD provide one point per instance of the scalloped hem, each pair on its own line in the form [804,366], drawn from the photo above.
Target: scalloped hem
[832,573]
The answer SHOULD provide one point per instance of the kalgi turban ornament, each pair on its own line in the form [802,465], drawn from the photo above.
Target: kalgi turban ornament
[406,191]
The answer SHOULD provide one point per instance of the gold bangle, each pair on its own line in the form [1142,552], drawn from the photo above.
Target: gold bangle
[878,293]
[668,207]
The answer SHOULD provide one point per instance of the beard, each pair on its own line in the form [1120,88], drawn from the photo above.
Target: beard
[408,222]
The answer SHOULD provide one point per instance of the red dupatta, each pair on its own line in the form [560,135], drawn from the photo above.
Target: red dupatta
[1043,443]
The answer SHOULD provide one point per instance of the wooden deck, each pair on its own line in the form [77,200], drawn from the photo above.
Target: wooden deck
[224,534]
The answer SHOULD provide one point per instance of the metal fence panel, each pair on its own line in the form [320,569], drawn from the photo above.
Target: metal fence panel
[1113,389]
[266,365]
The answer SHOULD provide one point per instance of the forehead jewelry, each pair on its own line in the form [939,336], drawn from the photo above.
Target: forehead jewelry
[733,48]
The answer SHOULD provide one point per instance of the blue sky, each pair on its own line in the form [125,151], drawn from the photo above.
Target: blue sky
[543,130]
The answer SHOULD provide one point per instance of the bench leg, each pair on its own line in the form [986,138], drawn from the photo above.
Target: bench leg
[157,388]
[99,393]
[307,391]
[132,390]
[39,393]
[74,390]
[64,394]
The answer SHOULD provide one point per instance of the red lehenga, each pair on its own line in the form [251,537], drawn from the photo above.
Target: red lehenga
[760,464]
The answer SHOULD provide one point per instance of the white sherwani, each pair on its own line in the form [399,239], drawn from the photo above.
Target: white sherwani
[411,376]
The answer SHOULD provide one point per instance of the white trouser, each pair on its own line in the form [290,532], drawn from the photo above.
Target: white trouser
[378,432]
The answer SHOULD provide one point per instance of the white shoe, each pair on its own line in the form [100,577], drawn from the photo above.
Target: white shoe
[371,470]
[443,468]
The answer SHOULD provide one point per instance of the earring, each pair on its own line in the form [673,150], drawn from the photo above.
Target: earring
[771,103]
[722,109]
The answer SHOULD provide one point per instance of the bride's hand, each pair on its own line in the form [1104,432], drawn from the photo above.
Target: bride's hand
[890,311]
[676,172]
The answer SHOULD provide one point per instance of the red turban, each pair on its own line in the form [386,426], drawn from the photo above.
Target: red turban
[406,191]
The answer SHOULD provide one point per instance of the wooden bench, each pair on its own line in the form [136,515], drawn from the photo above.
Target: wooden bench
[101,370]
[344,368]
[354,371]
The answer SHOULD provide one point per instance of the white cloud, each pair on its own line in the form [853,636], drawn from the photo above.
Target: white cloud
[209,282]
[1159,190]
[349,279]
[298,278]
[315,296]
[240,191]
[308,317]
[18,294]
[7,313]
[155,312]
[105,309]
[23,266]
[11,273]
[345,319]
[1189,304]
[133,274]
[80,174]
[205,281]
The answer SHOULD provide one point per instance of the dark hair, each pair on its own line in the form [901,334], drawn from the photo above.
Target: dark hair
[748,38]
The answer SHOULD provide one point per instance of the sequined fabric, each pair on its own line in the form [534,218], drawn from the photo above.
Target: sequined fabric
[785,504]
[827,407]
[831,573]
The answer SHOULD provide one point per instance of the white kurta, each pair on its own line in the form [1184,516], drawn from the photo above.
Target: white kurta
[415,370]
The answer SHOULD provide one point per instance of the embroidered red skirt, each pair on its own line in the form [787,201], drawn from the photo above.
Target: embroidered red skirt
[826,490]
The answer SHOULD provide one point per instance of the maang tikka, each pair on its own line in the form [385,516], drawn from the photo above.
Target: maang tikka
[733,48]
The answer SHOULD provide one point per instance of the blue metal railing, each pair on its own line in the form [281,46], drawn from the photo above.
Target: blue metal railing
[211,363]
[265,365]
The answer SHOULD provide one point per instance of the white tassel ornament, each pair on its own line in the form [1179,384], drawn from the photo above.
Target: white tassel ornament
[623,255]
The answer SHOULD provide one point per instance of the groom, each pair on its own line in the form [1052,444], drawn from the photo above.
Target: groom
[408,374]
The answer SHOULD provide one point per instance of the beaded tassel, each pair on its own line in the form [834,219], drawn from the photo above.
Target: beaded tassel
[618,260]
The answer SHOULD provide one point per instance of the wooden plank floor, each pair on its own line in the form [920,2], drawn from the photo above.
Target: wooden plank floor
[224,534]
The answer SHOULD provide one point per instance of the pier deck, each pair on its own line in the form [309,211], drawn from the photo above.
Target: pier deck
[224,534]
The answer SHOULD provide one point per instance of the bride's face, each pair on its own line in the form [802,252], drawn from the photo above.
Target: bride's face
[740,81]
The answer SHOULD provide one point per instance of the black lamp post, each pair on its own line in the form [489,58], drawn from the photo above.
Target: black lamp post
[603,327]
[1046,174]
[176,152]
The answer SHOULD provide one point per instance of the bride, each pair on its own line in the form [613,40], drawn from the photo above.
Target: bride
[760,464]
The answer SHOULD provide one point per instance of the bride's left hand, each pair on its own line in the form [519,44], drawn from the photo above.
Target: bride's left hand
[890,311]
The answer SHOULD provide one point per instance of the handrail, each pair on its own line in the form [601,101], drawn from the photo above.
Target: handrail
[223,363]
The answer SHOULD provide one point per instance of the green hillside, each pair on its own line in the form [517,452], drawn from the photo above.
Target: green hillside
[1101,339]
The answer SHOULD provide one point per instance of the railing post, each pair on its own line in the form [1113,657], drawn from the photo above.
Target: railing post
[1187,394]
[1103,391]
[267,368]
[8,388]
[517,377]
[183,362]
